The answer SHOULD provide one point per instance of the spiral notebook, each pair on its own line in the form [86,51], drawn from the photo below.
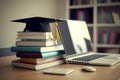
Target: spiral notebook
[76,40]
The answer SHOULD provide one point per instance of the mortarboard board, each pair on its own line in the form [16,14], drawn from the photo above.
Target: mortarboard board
[36,24]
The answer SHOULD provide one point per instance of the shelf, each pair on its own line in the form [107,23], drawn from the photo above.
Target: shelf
[90,25]
[108,25]
[108,4]
[80,6]
[108,45]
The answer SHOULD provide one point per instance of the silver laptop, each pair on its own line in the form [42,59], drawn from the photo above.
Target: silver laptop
[78,46]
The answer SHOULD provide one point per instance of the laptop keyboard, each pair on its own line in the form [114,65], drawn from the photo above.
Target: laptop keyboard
[89,57]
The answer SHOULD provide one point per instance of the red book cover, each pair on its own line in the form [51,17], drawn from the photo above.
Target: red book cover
[112,37]
[78,14]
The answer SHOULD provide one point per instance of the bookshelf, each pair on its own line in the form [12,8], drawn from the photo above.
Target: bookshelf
[103,19]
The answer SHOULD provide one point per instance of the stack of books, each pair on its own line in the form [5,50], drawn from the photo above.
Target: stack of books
[37,50]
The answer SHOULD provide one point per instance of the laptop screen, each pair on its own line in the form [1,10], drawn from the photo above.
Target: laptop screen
[74,36]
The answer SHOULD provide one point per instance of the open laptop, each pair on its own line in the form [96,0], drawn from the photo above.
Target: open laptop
[78,46]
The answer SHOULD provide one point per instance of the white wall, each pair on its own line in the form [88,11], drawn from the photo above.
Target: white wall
[16,9]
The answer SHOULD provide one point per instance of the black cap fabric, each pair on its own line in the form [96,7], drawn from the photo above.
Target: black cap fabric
[36,24]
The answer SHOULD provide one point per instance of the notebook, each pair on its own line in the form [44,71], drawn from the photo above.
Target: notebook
[76,40]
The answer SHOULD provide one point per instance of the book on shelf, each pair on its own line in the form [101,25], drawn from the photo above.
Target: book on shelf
[36,48]
[104,37]
[35,42]
[99,37]
[104,16]
[102,1]
[108,37]
[82,14]
[40,54]
[80,2]
[113,37]
[40,60]
[116,17]
[18,63]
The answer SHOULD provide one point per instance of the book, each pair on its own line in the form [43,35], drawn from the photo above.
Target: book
[116,17]
[35,37]
[36,48]
[113,36]
[99,37]
[18,63]
[104,37]
[33,33]
[35,43]
[40,60]
[39,55]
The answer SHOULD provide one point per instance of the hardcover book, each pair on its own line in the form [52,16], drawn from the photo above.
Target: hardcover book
[18,63]
[39,55]
[35,37]
[35,43]
[36,48]
[40,60]
[33,33]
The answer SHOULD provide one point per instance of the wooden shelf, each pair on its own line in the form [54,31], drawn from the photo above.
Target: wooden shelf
[80,6]
[107,4]
[108,45]
[108,25]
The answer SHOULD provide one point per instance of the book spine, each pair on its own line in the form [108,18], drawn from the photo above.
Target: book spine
[52,54]
[28,55]
[21,33]
[35,37]
[39,66]
[36,49]
[39,55]
[35,43]
[25,49]
[116,19]
[100,39]
[50,64]
[112,37]
[104,37]
[40,60]
[78,14]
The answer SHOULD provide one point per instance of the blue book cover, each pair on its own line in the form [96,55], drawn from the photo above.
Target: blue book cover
[100,39]
[108,37]
[109,17]
[101,15]
[36,48]
[52,54]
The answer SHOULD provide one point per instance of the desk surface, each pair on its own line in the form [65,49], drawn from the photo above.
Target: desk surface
[7,72]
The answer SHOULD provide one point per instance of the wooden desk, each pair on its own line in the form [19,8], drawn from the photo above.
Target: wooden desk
[7,72]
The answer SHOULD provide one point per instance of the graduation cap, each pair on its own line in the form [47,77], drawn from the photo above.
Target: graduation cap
[37,24]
